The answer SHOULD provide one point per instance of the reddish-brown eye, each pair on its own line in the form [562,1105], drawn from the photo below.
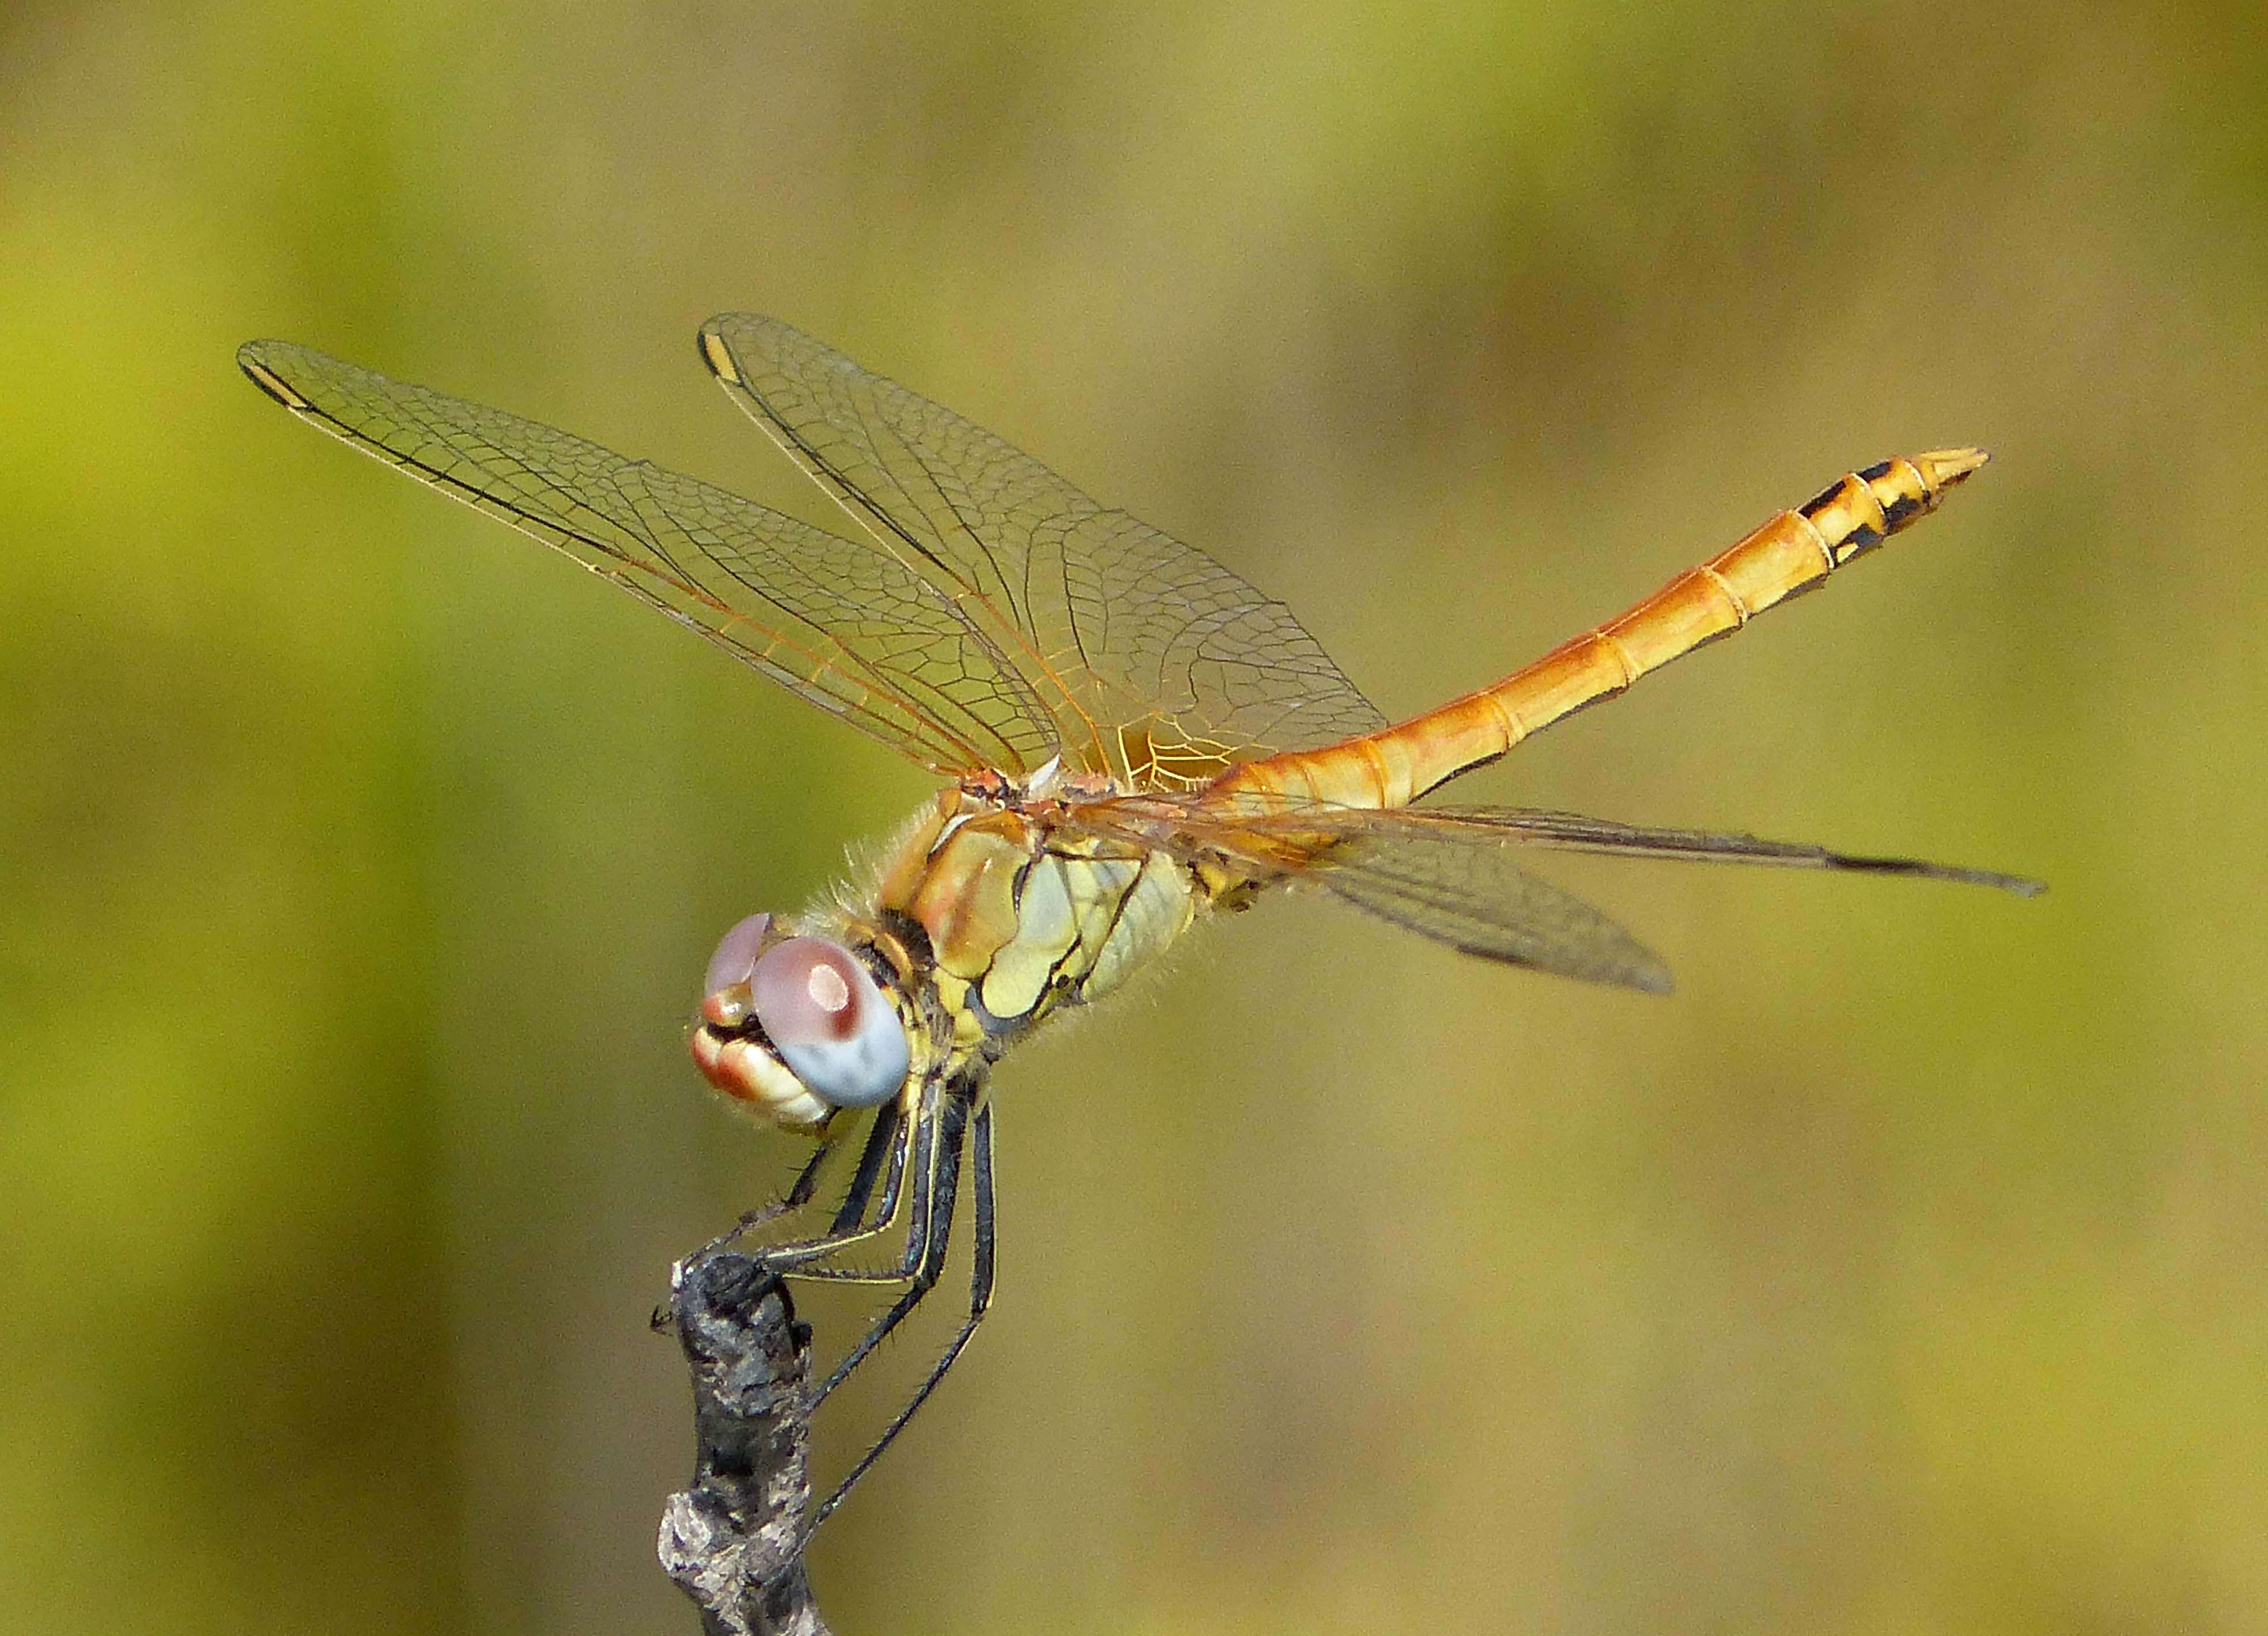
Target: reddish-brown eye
[829,1021]
[725,990]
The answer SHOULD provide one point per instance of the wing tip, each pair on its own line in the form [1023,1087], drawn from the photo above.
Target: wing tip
[716,354]
[251,357]
[2016,885]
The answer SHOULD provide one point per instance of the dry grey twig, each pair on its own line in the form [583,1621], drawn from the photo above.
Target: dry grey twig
[734,1541]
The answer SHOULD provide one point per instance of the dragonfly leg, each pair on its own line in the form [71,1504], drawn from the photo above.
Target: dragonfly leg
[980,1299]
[929,1146]
[927,1238]
[799,1193]
[881,1144]
[852,1226]
[915,1140]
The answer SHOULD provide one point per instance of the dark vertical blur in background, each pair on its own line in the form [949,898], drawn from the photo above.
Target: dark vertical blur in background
[357,860]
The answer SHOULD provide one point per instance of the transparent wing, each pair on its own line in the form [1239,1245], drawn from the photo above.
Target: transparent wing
[1477,901]
[1299,835]
[1448,873]
[1571,831]
[1160,667]
[1454,885]
[846,626]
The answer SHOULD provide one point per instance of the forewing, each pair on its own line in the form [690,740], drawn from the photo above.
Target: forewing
[1160,666]
[846,626]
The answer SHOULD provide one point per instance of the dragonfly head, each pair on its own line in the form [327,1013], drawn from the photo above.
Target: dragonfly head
[797,1027]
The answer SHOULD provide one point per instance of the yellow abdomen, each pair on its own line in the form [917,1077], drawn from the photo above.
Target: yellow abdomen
[1790,552]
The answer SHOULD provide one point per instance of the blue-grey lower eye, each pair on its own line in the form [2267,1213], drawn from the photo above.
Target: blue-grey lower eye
[864,1071]
[829,1022]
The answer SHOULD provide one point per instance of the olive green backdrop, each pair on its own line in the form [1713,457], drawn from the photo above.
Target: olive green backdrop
[1901,1274]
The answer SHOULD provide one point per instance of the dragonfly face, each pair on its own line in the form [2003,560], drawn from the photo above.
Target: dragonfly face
[798,1028]
[991,914]
[1130,736]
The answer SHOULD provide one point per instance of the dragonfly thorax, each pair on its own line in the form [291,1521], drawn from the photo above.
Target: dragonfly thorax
[1021,917]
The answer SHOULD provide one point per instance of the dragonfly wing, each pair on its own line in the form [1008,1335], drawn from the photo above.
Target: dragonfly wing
[1303,831]
[844,625]
[1455,885]
[1160,666]
[1573,832]
[1448,872]
[1445,873]
[1477,901]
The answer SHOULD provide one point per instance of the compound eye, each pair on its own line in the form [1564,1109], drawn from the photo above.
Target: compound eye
[725,991]
[829,1021]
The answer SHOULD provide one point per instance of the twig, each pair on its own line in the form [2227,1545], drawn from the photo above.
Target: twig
[734,1541]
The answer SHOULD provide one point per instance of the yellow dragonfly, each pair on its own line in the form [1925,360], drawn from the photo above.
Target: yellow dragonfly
[1131,738]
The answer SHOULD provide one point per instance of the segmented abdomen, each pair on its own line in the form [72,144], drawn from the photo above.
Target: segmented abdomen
[1790,552]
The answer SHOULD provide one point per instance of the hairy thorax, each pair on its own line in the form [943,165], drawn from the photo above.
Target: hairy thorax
[1022,918]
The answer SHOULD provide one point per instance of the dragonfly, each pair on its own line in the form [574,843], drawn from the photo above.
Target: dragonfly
[1130,738]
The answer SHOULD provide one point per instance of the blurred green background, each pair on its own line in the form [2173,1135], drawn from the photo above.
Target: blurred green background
[1901,1274]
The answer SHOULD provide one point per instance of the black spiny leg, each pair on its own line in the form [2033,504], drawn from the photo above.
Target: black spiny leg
[980,1298]
[915,1137]
[928,1236]
[799,1194]
[881,1144]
